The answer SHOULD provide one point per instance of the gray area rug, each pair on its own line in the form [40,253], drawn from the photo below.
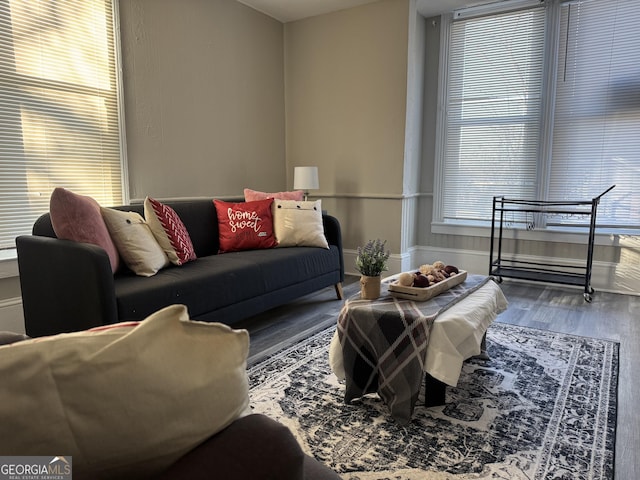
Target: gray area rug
[543,406]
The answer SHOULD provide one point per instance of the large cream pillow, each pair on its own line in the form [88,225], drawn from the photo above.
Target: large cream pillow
[125,401]
[298,224]
[137,246]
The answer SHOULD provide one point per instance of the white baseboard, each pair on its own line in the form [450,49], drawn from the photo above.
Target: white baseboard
[11,317]
[605,276]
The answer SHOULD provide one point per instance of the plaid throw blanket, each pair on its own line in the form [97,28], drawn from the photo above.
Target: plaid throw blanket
[384,344]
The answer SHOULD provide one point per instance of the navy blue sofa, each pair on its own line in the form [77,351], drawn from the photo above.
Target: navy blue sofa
[69,286]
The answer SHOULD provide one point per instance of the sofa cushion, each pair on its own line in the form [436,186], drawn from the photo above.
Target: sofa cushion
[252,195]
[125,401]
[283,267]
[137,246]
[298,224]
[253,447]
[218,281]
[77,217]
[170,232]
[245,225]
[209,282]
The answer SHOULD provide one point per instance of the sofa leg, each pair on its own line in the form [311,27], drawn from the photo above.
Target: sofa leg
[338,287]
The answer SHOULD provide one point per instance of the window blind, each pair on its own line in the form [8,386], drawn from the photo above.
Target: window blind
[596,132]
[59,120]
[542,103]
[493,110]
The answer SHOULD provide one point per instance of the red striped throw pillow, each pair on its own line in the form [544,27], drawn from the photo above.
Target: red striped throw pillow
[169,231]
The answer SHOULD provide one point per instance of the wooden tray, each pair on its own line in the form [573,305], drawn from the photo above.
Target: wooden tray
[422,294]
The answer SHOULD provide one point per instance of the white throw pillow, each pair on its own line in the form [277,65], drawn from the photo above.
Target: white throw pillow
[298,224]
[127,400]
[135,242]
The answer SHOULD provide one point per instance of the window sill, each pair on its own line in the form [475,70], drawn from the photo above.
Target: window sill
[8,263]
[556,235]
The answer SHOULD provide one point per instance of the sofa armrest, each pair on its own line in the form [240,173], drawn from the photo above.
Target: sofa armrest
[334,237]
[253,447]
[66,286]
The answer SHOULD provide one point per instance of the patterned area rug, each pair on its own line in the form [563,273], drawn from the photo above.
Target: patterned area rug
[543,406]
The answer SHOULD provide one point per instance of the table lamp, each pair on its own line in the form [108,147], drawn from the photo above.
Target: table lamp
[305,178]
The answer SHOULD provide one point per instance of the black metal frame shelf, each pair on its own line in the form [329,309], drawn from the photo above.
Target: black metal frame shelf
[510,267]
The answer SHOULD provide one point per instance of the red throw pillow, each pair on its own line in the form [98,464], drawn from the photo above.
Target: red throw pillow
[245,225]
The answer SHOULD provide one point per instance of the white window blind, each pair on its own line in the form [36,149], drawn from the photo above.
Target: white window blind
[493,111]
[59,121]
[596,132]
[542,103]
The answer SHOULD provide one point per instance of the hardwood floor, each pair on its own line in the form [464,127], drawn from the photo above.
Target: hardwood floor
[549,307]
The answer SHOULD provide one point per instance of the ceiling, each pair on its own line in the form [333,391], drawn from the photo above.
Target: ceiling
[292,10]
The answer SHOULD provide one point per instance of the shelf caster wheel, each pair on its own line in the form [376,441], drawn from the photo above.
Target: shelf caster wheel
[499,279]
[588,297]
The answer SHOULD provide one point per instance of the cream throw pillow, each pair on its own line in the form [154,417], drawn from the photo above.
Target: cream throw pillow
[137,246]
[298,224]
[124,401]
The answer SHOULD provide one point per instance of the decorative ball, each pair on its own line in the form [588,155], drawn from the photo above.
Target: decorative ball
[451,269]
[438,265]
[405,279]
[421,281]
[426,269]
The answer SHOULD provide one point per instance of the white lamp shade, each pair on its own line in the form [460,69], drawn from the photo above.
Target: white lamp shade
[305,178]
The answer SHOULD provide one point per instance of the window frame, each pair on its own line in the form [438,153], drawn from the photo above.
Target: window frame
[560,234]
[8,256]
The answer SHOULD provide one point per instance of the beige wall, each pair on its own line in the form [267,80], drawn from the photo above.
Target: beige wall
[346,89]
[205,88]
[203,98]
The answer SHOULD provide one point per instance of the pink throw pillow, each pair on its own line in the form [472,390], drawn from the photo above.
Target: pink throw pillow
[253,195]
[245,225]
[78,218]
[169,231]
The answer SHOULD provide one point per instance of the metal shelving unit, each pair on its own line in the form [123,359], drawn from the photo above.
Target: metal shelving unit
[530,213]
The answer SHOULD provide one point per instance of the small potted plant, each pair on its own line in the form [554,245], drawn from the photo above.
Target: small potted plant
[371,261]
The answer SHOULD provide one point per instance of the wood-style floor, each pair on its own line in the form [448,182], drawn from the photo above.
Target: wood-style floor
[550,307]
